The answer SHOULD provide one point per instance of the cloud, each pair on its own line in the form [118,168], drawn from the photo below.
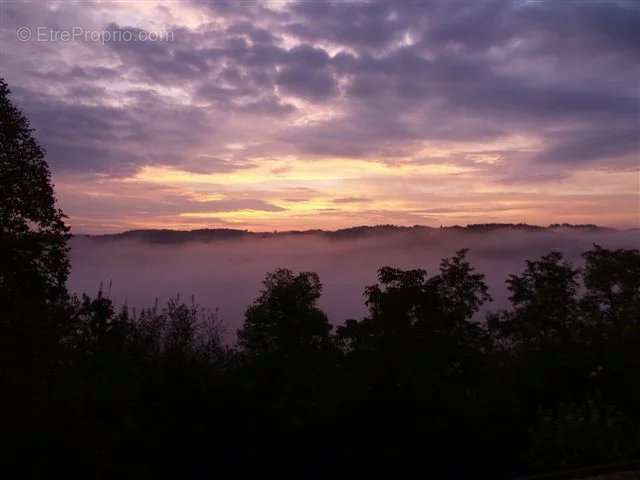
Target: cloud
[551,86]
[350,200]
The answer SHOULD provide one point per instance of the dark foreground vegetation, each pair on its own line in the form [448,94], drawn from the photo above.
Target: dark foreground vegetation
[420,384]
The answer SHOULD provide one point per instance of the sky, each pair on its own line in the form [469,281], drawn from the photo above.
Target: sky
[315,114]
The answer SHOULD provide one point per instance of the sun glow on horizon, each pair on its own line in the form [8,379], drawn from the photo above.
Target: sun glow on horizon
[275,115]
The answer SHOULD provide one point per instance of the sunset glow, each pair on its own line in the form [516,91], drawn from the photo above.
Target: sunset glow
[275,116]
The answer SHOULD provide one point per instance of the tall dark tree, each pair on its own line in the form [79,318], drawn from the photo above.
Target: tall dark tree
[545,305]
[33,238]
[542,355]
[611,306]
[33,270]
[33,235]
[287,350]
[285,319]
[417,351]
[612,281]
[407,308]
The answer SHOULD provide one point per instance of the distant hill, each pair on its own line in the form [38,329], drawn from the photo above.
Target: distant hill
[216,234]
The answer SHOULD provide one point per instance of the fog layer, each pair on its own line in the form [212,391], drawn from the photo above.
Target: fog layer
[227,274]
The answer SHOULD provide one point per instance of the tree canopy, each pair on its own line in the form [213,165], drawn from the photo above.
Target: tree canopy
[33,235]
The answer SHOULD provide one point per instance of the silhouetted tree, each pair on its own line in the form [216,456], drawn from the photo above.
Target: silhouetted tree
[288,365]
[612,281]
[545,305]
[285,319]
[33,271]
[407,308]
[417,351]
[569,358]
[33,236]
[611,307]
[145,388]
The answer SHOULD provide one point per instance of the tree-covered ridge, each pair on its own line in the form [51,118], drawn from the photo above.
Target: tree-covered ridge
[212,234]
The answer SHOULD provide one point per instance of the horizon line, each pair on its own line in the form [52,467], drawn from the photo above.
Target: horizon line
[364,226]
